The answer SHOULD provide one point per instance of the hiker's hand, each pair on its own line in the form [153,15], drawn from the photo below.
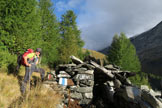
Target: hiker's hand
[29,65]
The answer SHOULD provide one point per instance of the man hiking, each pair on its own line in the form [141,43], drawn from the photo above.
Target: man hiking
[30,60]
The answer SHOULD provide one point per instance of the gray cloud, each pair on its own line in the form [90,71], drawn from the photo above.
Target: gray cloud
[99,20]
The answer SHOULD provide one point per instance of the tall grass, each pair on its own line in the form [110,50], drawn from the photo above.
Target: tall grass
[9,89]
[37,97]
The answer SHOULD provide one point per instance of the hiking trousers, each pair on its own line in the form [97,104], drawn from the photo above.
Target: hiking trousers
[28,73]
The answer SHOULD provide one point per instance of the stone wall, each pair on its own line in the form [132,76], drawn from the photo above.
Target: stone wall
[90,85]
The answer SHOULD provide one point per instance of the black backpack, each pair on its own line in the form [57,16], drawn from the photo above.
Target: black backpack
[19,62]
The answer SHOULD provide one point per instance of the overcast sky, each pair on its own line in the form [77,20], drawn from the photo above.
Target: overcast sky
[99,20]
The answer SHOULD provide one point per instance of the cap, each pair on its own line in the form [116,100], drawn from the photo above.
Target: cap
[39,50]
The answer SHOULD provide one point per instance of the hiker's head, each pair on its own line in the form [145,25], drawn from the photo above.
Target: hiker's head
[38,51]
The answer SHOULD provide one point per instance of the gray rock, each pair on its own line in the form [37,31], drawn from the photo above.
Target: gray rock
[99,69]
[90,72]
[83,77]
[65,75]
[151,99]
[110,67]
[94,64]
[62,72]
[116,71]
[122,79]
[117,83]
[68,70]
[88,95]
[87,82]
[82,85]
[76,95]
[66,65]
[127,74]
[104,71]
[84,89]
[155,93]
[110,83]
[80,66]
[128,82]
[80,70]
[145,87]
[73,88]
[67,100]
[76,60]
[131,94]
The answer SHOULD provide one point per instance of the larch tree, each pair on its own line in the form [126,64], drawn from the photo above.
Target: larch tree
[71,42]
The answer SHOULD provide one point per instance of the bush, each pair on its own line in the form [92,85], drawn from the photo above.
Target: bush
[141,78]
[7,60]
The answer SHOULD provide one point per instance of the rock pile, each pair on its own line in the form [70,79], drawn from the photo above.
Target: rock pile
[93,86]
[79,79]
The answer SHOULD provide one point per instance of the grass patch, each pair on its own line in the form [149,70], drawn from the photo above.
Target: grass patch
[37,97]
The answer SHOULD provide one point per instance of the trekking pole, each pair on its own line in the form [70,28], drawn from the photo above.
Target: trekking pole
[39,62]
[29,76]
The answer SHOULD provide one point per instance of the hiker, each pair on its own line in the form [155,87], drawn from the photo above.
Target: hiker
[30,61]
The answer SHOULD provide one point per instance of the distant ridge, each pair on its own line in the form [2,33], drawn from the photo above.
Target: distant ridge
[149,49]
[104,50]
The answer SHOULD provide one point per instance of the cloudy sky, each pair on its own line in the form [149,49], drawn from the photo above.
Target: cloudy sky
[99,20]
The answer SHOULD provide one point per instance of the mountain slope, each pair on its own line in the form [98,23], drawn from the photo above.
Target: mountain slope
[149,49]
[96,54]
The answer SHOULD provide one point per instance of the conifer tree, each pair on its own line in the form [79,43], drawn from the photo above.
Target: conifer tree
[49,32]
[19,24]
[123,53]
[71,42]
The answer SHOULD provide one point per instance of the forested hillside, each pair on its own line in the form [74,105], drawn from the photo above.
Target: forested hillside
[32,24]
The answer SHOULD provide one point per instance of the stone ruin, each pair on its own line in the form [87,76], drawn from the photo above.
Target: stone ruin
[91,85]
